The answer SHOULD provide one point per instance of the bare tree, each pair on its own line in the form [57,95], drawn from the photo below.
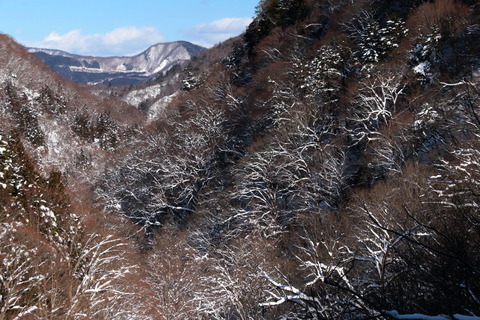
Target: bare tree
[173,276]
[20,280]
[100,269]
[376,105]
[162,178]
[230,282]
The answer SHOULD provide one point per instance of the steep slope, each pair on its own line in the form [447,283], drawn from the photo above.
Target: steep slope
[60,257]
[63,126]
[326,168]
[118,70]
[324,165]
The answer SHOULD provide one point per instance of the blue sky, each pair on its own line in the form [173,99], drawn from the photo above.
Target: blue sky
[122,27]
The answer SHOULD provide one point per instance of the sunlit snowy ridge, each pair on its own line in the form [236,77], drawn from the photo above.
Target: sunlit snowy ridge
[126,70]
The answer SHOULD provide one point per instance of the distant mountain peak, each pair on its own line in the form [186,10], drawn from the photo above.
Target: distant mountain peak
[118,69]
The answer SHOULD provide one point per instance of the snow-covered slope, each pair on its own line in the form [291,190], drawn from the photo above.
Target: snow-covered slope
[47,112]
[118,70]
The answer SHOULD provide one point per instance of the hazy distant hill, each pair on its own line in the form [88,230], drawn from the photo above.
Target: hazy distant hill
[118,70]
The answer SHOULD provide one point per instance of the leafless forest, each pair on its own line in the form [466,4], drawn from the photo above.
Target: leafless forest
[325,164]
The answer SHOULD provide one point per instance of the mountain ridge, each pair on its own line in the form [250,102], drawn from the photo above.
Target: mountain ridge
[118,69]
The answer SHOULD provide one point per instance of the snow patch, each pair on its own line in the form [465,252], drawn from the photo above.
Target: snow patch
[422,68]
[160,105]
[138,96]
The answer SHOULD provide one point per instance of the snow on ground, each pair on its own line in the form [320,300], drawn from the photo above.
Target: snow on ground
[157,58]
[159,106]
[60,144]
[138,96]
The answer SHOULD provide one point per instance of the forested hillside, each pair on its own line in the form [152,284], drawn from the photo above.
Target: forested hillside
[60,257]
[323,165]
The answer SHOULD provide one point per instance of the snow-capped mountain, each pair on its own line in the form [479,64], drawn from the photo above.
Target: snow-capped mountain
[118,70]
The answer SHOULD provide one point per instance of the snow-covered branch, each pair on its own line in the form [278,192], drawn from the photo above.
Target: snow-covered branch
[100,269]
[418,316]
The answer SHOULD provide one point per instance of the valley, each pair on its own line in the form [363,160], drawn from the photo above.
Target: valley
[323,164]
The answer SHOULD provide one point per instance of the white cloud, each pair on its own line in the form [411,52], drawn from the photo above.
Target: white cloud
[209,34]
[121,41]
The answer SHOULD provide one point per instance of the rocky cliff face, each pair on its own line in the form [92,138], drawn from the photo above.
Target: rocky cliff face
[118,70]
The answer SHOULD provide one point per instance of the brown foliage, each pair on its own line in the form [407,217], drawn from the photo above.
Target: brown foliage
[449,16]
